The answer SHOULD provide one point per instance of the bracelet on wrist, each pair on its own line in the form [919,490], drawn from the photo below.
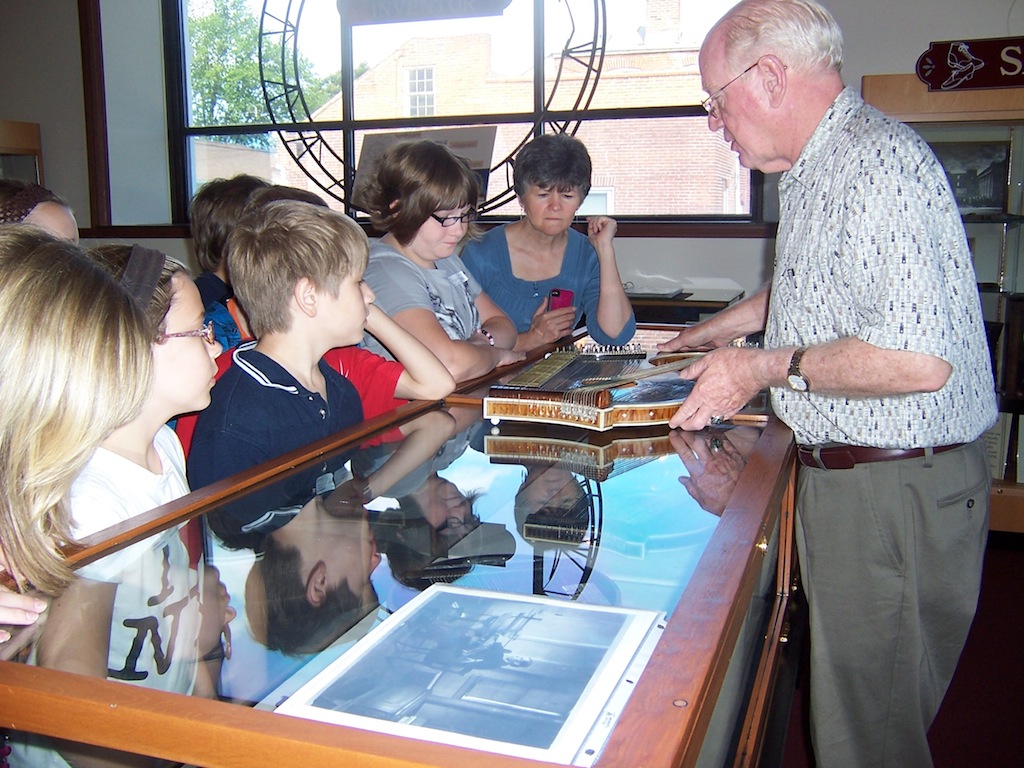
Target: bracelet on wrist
[487,335]
[222,650]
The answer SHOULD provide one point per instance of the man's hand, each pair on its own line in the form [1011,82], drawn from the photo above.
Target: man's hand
[726,380]
[713,461]
[692,337]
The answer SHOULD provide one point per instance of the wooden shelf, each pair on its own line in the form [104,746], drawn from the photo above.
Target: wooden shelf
[908,99]
[22,141]
[1007,507]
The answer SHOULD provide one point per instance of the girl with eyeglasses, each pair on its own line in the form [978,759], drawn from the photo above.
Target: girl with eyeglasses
[423,196]
[55,407]
[141,464]
[145,614]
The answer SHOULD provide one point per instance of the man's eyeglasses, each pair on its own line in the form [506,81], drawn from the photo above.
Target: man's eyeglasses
[710,104]
[205,333]
[450,221]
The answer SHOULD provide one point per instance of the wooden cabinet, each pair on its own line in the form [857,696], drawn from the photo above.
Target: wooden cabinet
[21,151]
[722,581]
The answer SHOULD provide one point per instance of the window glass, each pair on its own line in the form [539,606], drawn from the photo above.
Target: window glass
[480,65]
[662,166]
[271,71]
[420,98]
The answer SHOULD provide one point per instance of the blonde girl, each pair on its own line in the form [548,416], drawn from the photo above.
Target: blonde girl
[143,621]
[76,364]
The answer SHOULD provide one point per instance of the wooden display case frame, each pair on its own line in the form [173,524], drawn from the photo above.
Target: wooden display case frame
[664,723]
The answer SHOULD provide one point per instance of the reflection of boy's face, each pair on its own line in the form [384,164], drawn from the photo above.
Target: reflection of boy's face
[332,550]
[353,559]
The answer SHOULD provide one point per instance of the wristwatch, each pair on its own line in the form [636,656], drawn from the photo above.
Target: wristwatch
[796,379]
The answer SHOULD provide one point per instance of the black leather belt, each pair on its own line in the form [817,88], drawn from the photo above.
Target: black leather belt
[849,456]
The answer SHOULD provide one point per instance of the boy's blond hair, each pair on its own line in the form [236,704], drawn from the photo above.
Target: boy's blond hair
[278,244]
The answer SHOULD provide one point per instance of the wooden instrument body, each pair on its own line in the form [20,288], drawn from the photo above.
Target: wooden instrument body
[569,387]
[599,389]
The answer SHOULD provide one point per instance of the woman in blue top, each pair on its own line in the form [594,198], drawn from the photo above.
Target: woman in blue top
[518,264]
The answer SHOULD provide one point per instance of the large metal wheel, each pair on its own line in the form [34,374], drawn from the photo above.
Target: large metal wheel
[318,154]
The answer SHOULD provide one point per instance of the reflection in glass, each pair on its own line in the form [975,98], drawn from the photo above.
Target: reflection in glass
[561,515]
[618,519]
[146,615]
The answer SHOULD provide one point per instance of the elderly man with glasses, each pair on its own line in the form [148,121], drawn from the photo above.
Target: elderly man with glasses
[875,354]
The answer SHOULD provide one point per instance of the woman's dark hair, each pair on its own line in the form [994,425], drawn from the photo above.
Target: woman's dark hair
[553,161]
[275,192]
[213,213]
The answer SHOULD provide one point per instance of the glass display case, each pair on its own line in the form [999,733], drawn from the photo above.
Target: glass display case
[225,603]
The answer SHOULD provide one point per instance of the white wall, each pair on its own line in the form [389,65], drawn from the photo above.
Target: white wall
[653,265]
[40,81]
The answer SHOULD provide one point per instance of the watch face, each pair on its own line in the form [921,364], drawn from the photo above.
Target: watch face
[798,383]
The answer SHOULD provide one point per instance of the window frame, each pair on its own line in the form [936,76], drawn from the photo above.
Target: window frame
[179,134]
[419,102]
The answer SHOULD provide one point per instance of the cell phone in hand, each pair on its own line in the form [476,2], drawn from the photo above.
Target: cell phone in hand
[558,298]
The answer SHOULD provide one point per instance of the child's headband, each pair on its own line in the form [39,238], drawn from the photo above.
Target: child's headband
[142,274]
[21,203]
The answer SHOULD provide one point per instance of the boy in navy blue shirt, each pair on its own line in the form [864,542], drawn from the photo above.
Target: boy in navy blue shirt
[297,268]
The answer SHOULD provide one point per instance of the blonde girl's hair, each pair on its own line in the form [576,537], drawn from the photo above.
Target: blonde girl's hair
[155,300]
[76,359]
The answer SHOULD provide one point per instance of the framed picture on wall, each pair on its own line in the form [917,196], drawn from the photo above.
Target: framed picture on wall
[978,173]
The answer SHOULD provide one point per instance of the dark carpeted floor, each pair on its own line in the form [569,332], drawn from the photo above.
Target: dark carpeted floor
[981,722]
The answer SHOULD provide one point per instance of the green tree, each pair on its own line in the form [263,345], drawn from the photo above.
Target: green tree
[317,91]
[224,72]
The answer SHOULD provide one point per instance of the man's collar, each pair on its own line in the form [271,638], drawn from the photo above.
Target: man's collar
[822,140]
